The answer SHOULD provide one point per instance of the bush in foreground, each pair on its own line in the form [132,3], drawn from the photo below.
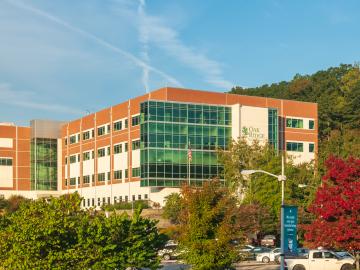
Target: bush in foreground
[57,234]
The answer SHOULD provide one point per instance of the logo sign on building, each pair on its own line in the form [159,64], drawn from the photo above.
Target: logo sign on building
[252,133]
[289,227]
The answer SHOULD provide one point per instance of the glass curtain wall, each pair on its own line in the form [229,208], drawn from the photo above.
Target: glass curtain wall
[43,164]
[273,128]
[168,129]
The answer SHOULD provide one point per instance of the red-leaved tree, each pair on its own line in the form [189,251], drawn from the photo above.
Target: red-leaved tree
[337,207]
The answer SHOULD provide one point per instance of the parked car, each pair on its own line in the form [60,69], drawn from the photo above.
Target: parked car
[246,248]
[267,257]
[302,252]
[344,254]
[170,251]
[268,241]
[320,259]
[251,254]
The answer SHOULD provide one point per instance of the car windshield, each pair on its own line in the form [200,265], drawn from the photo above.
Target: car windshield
[276,250]
[328,254]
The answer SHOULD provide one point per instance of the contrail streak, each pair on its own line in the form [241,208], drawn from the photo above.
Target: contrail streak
[98,40]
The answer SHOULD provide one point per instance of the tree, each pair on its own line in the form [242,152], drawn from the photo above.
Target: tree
[209,220]
[172,207]
[337,207]
[57,234]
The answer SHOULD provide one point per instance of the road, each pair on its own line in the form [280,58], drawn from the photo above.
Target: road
[172,265]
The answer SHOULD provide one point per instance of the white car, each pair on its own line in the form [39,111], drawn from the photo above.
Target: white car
[267,257]
[320,260]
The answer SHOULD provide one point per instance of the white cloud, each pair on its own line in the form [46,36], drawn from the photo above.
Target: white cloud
[26,99]
[153,29]
[137,61]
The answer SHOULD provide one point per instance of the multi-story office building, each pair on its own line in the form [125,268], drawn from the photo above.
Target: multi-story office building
[139,149]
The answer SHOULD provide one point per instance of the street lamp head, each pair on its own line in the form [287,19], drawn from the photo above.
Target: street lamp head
[248,172]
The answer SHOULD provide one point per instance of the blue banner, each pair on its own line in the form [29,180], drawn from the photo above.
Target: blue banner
[289,227]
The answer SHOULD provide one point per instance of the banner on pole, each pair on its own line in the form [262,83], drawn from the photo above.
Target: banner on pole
[289,227]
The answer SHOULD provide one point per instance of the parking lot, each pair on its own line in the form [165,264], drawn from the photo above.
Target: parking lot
[173,265]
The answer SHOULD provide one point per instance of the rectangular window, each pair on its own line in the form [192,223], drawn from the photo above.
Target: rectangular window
[72,139]
[78,137]
[135,120]
[294,123]
[65,160]
[65,141]
[101,177]
[78,157]
[126,123]
[311,124]
[108,128]
[139,197]
[126,198]
[126,173]
[118,174]
[118,125]
[5,162]
[101,131]
[294,146]
[136,145]
[135,172]
[72,181]
[86,179]
[311,147]
[133,198]
[108,151]
[146,196]
[117,148]
[73,159]
[120,198]
[101,152]
[86,156]
[108,176]
[86,135]
[126,147]
[92,154]
[92,133]
[92,202]
[93,178]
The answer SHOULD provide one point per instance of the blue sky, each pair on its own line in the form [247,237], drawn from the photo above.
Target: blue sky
[60,59]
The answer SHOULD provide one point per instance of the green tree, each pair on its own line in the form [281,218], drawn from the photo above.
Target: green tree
[209,220]
[57,234]
[172,207]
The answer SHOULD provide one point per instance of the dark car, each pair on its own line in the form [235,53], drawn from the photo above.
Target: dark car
[170,251]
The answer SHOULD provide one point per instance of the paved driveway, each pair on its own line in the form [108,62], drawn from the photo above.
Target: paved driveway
[173,265]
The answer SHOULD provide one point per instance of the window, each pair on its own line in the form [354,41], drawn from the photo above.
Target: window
[115,199]
[108,128]
[101,131]
[86,135]
[294,123]
[72,181]
[72,159]
[133,197]
[117,148]
[118,174]
[118,125]
[101,152]
[139,197]
[108,176]
[126,147]
[294,146]
[78,180]
[92,202]
[120,198]
[311,124]
[135,120]
[5,162]
[72,139]
[126,123]
[88,202]
[78,157]
[135,172]
[317,255]
[86,156]
[78,137]
[146,196]
[93,178]
[99,202]
[108,151]
[92,154]
[101,177]
[92,133]
[136,145]
[126,198]
[86,179]
[311,147]
[65,141]
[126,173]
[65,160]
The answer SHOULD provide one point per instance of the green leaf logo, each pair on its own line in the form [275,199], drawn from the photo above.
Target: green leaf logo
[245,131]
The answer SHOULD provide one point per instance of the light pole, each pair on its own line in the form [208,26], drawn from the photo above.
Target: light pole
[282,179]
